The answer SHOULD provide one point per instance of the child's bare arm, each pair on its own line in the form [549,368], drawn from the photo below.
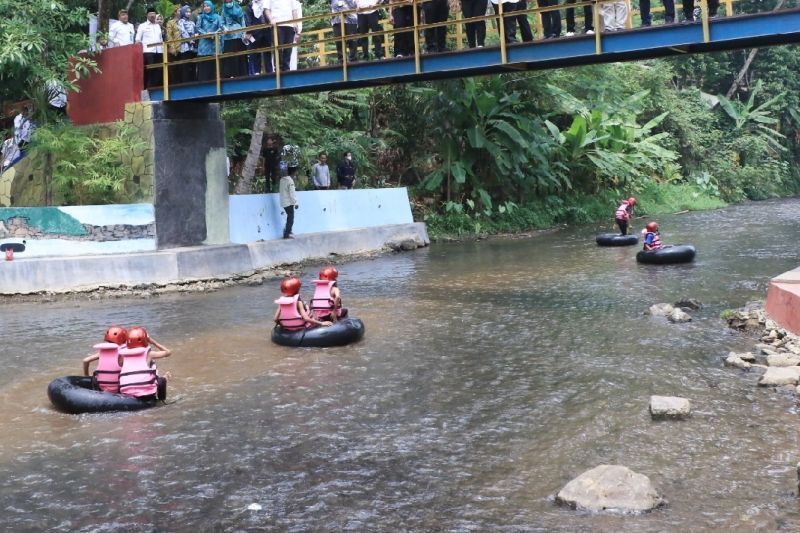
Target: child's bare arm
[302,309]
[88,359]
[162,351]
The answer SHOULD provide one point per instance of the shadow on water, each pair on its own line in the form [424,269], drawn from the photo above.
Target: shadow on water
[491,374]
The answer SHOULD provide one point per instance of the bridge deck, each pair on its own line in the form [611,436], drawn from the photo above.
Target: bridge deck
[743,31]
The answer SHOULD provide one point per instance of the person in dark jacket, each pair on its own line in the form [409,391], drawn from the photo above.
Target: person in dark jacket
[272,161]
[346,171]
[262,38]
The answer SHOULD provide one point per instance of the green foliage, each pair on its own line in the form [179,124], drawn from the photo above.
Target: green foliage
[39,40]
[88,167]
[758,120]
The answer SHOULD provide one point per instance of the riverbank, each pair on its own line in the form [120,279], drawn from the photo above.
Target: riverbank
[557,211]
[193,269]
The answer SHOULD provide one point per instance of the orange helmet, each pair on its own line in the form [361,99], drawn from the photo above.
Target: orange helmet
[631,201]
[116,334]
[329,273]
[652,226]
[137,337]
[290,286]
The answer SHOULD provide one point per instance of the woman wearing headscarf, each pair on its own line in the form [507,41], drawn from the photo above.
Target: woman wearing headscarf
[208,23]
[188,49]
[174,49]
[233,19]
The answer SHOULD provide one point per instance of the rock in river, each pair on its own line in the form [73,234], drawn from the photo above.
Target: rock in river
[611,488]
[661,309]
[669,407]
[780,375]
[678,315]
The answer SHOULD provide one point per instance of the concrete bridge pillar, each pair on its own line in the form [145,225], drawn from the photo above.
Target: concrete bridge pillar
[190,185]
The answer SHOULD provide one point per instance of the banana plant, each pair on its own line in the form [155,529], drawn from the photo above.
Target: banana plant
[758,120]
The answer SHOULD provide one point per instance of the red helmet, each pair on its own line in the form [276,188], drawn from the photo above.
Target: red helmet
[329,273]
[137,337]
[652,226]
[116,334]
[290,286]
[632,201]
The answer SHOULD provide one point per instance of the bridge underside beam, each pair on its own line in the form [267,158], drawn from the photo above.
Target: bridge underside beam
[745,31]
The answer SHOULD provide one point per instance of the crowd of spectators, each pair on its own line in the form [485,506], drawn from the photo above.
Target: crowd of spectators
[234,18]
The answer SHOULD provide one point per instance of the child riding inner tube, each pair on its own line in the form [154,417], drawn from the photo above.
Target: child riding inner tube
[680,253]
[615,239]
[78,394]
[342,332]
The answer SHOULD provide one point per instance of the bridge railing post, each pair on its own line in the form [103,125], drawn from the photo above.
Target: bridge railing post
[344,49]
[216,63]
[165,70]
[501,29]
[276,54]
[415,11]
[598,28]
[704,18]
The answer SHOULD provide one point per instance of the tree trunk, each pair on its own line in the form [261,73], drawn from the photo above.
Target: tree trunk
[750,57]
[245,185]
[103,14]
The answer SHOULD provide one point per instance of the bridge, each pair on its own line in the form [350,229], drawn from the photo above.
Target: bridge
[707,35]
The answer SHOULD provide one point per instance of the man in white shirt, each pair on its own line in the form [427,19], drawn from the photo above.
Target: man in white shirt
[283,14]
[149,32]
[368,20]
[121,32]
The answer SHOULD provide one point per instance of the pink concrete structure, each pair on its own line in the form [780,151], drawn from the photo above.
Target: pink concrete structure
[783,300]
[103,96]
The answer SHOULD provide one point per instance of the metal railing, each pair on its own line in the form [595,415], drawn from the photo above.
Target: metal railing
[315,46]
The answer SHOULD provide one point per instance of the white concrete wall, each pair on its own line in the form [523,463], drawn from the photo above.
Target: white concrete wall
[255,217]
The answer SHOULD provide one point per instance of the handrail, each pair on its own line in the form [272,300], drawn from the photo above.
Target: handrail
[321,40]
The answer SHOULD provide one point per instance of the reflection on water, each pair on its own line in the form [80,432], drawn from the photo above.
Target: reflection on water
[491,374]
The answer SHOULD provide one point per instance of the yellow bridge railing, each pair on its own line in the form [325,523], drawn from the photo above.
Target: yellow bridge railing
[315,47]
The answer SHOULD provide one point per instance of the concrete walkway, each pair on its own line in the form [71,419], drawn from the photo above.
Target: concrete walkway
[62,274]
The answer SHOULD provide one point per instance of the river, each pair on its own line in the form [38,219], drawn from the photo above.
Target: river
[491,374]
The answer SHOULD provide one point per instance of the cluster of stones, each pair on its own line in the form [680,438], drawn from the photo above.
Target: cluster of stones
[18,228]
[406,245]
[778,353]
[677,312]
[142,161]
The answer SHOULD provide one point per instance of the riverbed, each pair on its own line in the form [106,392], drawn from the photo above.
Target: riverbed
[491,374]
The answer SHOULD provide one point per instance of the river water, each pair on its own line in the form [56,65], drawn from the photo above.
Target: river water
[491,374]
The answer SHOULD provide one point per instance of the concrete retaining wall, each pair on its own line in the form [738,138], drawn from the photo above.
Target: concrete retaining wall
[783,300]
[79,230]
[58,274]
[255,217]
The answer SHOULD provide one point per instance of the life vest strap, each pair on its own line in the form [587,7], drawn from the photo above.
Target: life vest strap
[107,372]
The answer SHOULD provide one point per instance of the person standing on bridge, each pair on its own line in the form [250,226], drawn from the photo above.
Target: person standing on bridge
[369,20]
[669,12]
[121,32]
[476,31]
[402,17]
[436,11]
[588,19]
[233,19]
[551,20]
[208,23]
[350,27]
[283,14]
[149,33]
[509,18]
[258,38]
[692,13]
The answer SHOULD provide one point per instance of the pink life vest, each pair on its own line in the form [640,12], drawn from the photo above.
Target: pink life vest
[107,372]
[656,244]
[322,304]
[137,378]
[622,212]
[289,317]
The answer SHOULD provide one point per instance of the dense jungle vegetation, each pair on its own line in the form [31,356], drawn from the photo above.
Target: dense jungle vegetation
[497,153]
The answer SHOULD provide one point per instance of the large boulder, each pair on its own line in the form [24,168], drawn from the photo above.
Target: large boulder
[611,488]
[783,359]
[691,304]
[679,316]
[780,375]
[669,407]
[661,309]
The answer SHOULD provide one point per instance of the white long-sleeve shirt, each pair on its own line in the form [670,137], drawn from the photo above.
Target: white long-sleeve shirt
[321,175]
[286,192]
[149,33]
[281,11]
[121,34]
